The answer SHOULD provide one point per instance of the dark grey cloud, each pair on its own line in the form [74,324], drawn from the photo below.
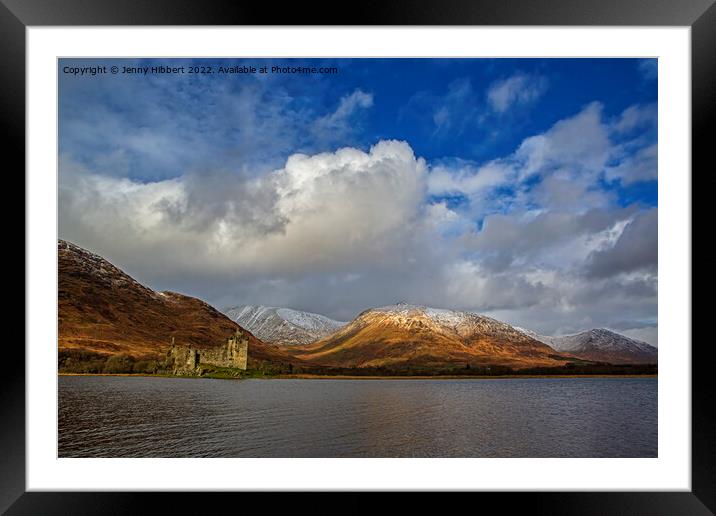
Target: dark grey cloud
[508,239]
[232,198]
[636,249]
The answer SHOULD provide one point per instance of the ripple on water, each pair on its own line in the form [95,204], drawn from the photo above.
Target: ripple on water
[173,417]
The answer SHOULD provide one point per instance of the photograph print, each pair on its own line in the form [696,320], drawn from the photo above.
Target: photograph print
[371,257]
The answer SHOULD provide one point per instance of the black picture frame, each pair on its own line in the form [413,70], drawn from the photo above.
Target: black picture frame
[700,15]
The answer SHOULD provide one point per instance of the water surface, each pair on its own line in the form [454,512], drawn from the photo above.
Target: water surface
[177,417]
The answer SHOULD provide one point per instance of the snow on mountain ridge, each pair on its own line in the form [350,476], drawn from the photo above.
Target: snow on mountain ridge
[400,334]
[461,322]
[600,344]
[308,320]
[283,325]
[439,315]
[293,327]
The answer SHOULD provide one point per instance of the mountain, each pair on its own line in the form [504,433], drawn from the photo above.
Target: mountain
[601,345]
[405,335]
[102,310]
[283,325]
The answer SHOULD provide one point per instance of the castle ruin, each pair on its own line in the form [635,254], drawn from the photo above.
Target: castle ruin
[185,360]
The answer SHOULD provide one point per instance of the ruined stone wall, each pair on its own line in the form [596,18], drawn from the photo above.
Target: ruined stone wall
[186,361]
[233,354]
[183,360]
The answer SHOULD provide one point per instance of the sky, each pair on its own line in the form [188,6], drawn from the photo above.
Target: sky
[522,189]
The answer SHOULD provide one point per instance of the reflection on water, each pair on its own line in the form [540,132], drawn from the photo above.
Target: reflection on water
[174,417]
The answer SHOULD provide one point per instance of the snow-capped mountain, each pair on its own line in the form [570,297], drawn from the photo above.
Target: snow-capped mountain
[409,335]
[601,345]
[283,325]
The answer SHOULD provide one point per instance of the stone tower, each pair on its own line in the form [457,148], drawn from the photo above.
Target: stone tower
[237,350]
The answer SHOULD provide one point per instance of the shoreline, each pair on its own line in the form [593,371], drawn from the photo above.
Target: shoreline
[376,377]
[462,377]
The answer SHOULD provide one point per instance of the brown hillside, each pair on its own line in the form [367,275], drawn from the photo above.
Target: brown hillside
[410,336]
[103,310]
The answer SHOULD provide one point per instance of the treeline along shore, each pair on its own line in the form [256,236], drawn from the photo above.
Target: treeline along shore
[85,363]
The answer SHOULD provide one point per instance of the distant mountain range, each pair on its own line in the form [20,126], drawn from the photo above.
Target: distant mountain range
[289,327]
[104,311]
[283,325]
[601,345]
